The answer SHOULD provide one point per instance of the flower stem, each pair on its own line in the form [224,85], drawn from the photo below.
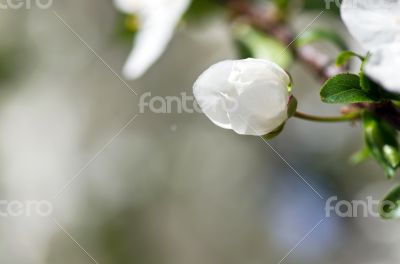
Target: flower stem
[330,119]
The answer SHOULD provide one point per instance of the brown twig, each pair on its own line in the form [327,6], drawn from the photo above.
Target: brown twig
[271,23]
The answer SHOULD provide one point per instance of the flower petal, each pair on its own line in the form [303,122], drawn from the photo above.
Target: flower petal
[372,22]
[158,19]
[247,71]
[128,6]
[260,111]
[209,90]
[383,67]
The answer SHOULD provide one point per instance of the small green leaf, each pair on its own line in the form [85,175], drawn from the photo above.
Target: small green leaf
[366,83]
[360,156]
[344,89]
[255,44]
[389,207]
[321,35]
[391,154]
[381,140]
[344,57]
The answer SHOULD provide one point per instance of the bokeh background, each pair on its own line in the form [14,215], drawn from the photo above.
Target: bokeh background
[170,188]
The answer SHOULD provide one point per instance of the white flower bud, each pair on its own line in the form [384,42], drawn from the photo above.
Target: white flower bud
[376,25]
[248,96]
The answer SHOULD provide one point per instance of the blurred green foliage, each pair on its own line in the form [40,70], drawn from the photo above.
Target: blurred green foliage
[320,34]
[331,6]
[11,59]
[255,44]
[127,26]
[201,9]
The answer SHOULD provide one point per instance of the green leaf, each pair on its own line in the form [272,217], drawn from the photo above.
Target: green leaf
[255,44]
[391,154]
[389,207]
[381,140]
[360,156]
[344,57]
[317,35]
[344,89]
[366,83]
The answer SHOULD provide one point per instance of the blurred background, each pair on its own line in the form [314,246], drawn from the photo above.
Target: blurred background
[168,188]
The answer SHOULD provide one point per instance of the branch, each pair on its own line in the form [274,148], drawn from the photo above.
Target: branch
[272,24]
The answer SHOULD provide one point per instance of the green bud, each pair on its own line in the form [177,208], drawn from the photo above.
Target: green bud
[360,156]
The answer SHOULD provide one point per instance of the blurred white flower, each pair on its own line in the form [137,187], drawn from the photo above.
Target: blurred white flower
[376,25]
[248,96]
[157,19]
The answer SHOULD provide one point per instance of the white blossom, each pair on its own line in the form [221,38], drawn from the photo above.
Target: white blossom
[376,25]
[248,96]
[157,19]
